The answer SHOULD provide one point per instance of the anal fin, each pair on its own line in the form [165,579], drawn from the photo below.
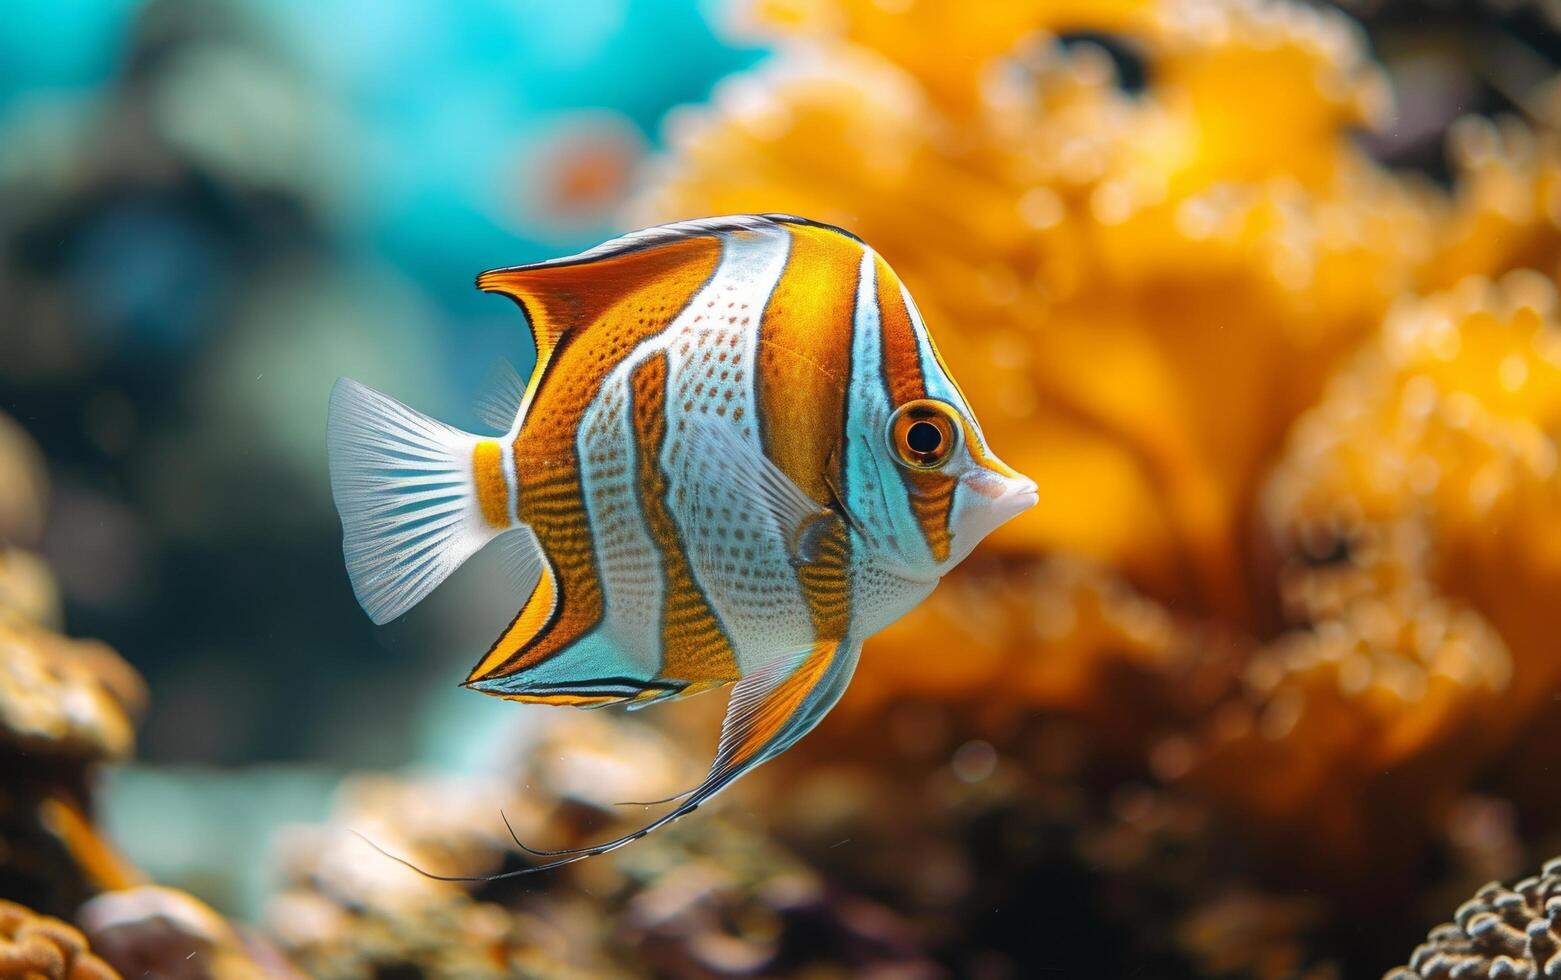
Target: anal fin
[550,654]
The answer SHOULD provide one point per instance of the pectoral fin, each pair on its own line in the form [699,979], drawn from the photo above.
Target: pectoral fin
[721,463]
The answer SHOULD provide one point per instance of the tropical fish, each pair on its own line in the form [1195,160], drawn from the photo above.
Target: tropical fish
[738,456]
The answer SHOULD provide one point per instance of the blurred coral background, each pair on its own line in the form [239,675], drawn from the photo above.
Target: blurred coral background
[1262,294]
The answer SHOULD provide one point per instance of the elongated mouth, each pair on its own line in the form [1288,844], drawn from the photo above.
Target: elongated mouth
[1021,495]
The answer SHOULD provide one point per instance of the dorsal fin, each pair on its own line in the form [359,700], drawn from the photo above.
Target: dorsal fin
[565,294]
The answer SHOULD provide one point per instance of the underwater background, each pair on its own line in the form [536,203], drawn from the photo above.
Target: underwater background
[1262,294]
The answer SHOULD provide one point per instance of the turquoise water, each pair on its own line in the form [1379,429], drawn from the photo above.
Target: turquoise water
[234,203]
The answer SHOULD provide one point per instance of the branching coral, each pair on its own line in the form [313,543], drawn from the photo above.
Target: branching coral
[1501,934]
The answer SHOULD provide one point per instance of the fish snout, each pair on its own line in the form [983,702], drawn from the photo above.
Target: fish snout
[1018,495]
[1006,494]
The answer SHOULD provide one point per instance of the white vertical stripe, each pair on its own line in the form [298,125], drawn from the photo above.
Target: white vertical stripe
[626,559]
[764,612]
[511,483]
[874,491]
[938,384]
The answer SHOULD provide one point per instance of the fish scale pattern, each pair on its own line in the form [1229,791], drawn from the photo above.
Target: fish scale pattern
[1501,933]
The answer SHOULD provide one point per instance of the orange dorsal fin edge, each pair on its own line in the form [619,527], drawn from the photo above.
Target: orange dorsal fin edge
[567,294]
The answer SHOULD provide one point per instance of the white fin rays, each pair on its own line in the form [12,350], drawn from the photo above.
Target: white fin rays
[404,488]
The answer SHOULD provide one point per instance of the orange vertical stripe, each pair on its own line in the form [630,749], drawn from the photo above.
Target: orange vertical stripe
[488,475]
[804,356]
[804,369]
[627,298]
[694,647]
[901,357]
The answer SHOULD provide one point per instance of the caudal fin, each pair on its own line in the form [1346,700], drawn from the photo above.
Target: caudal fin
[416,497]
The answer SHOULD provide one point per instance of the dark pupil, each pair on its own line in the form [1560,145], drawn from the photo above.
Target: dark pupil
[923,438]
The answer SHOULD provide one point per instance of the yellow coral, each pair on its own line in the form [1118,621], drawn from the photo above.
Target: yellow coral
[43,947]
[1417,520]
[1111,275]
[939,41]
[1507,213]
[1448,424]
[1143,294]
[72,698]
[1094,630]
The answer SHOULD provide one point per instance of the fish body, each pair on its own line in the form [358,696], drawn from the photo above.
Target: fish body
[739,455]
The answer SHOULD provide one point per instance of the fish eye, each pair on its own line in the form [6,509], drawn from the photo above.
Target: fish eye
[923,433]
